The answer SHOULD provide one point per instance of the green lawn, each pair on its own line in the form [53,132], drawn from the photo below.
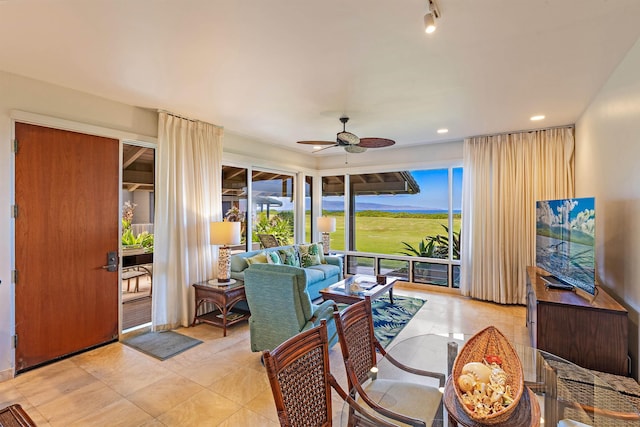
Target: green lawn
[385,234]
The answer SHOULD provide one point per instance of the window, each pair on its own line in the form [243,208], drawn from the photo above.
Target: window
[405,212]
[308,208]
[333,205]
[234,198]
[456,192]
[400,216]
[273,209]
[360,265]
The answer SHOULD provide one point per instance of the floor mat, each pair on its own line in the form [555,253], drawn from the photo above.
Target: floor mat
[161,345]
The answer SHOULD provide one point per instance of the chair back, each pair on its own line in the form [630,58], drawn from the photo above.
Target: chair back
[268,241]
[357,340]
[298,371]
[15,416]
[279,304]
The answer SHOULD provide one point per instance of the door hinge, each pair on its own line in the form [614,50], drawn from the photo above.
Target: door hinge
[15,145]
[14,276]
[14,211]
[15,341]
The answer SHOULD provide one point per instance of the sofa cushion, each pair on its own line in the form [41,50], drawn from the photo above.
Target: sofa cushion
[327,270]
[314,275]
[259,258]
[309,255]
[273,257]
[238,262]
[289,256]
[321,252]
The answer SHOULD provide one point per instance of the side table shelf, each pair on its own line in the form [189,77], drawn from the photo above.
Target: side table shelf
[224,298]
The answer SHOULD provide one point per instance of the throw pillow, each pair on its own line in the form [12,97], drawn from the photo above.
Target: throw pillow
[288,256]
[273,257]
[309,255]
[259,258]
[321,252]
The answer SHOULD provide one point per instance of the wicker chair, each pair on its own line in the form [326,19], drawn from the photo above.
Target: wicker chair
[15,416]
[359,344]
[298,371]
[581,396]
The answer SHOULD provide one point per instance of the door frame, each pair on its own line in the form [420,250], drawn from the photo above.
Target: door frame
[73,126]
[154,147]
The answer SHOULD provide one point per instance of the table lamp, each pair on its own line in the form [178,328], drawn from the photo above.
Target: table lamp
[326,225]
[223,234]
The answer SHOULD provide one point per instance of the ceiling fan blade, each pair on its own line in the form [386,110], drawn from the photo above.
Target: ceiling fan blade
[317,142]
[324,148]
[375,142]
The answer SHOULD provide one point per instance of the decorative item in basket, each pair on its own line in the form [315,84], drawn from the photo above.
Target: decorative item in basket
[487,377]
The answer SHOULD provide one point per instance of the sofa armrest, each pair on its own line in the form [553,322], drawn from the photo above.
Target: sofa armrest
[323,311]
[335,260]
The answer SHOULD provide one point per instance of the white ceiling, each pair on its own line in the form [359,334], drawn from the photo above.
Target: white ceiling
[285,70]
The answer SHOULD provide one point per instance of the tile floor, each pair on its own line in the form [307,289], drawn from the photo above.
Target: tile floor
[217,383]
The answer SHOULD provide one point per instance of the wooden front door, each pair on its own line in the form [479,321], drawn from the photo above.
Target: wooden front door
[66,190]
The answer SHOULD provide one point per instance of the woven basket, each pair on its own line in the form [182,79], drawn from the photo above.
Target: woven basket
[490,341]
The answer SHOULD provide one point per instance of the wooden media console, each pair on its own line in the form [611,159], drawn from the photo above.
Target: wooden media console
[592,334]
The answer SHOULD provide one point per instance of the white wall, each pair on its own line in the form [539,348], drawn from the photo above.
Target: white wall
[249,152]
[607,167]
[418,157]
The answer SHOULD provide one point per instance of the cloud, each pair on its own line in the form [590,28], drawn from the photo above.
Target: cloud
[545,214]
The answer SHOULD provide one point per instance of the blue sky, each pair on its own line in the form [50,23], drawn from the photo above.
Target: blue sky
[433,193]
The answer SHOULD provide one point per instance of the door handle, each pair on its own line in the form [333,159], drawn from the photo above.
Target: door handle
[112,262]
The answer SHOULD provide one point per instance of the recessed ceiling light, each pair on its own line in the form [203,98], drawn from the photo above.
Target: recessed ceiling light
[316,147]
[536,118]
[443,130]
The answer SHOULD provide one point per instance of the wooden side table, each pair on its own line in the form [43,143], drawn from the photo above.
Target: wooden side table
[224,297]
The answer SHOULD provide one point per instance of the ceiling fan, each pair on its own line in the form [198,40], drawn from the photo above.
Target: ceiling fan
[350,142]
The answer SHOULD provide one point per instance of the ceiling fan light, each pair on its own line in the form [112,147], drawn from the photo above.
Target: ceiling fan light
[348,138]
[354,149]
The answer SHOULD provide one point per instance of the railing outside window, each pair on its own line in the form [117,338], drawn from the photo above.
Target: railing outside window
[428,271]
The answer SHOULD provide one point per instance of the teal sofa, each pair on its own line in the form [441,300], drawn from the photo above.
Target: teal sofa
[318,276]
[280,306]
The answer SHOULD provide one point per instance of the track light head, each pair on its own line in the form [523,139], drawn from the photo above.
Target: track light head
[430,17]
[429,23]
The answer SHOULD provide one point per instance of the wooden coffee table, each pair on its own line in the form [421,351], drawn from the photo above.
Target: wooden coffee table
[357,290]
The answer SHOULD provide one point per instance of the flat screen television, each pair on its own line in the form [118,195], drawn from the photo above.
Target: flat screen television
[565,242]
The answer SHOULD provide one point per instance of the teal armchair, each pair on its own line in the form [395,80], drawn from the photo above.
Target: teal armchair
[281,307]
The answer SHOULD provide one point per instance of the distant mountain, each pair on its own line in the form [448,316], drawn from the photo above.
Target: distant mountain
[339,206]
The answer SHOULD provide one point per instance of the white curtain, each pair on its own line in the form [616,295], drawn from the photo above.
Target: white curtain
[504,176]
[188,198]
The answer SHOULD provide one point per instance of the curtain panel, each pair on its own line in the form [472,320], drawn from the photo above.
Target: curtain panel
[188,198]
[504,176]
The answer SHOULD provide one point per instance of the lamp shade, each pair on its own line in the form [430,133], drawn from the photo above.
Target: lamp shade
[224,233]
[326,224]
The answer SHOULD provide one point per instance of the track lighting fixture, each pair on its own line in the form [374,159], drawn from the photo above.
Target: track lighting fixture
[431,16]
